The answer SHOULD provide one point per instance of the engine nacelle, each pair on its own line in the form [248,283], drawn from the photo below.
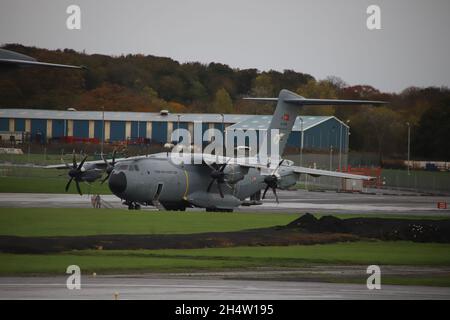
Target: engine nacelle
[288,180]
[235,173]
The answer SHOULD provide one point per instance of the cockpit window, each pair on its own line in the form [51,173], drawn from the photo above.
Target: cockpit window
[136,167]
[122,167]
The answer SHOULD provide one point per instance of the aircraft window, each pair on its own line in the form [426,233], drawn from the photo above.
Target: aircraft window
[123,167]
[136,167]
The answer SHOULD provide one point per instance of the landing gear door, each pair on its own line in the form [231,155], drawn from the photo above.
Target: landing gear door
[158,191]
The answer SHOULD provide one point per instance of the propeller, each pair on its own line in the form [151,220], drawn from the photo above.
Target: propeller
[109,167]
[272,182]
[218,176]
[75,173]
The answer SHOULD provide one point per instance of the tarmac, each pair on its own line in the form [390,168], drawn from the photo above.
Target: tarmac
[377,202]
[138,287]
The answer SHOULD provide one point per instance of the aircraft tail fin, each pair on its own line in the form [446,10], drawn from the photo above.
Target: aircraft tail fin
[286,112]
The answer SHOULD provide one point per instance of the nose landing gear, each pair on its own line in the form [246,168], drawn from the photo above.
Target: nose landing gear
[133,205]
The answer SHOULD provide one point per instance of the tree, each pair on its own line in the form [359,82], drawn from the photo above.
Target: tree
[222,102]
[431,138]
[322,89]
[378,129]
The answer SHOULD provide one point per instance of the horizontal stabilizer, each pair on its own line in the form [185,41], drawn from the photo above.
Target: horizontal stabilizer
[318,102]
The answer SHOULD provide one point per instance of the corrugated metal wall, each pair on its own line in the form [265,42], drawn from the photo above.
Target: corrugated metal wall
[159,131]
[58,128]
[98,128]
[4,124]
[19,125]
[138,129]
[39,126]
[81,128]
[117,131]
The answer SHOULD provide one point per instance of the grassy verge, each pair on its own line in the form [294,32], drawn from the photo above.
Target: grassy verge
[48,184]
[79,222]
[39,222]
[216,259]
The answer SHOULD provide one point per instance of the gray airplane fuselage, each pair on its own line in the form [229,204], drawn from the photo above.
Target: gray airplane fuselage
[177,186]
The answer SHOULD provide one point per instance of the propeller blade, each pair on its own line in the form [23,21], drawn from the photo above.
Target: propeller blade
[210,185]
[220,189]
[104,160]
[68,184]
[78,187]
[278,167]
[114,157]
[210,166]
[74,159]
[81,163]
[275,193]
[106,178]
[265,191]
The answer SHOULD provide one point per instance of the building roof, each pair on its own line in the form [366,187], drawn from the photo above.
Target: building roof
[120,116]
[263,122]
[239,121]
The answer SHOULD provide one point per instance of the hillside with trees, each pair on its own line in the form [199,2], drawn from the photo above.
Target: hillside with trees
[150,83]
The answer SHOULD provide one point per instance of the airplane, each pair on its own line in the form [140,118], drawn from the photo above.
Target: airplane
[10,60]
[213,182]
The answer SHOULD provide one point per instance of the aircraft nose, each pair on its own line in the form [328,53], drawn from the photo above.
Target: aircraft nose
[117,182]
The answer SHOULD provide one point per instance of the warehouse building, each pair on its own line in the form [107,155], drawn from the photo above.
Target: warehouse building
[320,133]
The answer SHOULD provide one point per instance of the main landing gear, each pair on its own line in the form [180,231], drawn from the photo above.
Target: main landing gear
[134,206]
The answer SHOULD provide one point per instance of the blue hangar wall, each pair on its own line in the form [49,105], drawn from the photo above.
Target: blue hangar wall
[329,133]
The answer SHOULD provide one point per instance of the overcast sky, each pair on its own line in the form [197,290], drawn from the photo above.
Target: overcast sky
[319,37]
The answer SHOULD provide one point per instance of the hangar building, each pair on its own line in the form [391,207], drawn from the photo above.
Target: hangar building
[320,132]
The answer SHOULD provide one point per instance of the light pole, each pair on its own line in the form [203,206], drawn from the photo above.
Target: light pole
[409,145]
[178,127]
[331,157]
[103,130]
[347,142]
[340,147]
[301,141]
[223,133]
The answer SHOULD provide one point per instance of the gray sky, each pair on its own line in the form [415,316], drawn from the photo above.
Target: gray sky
[320,37]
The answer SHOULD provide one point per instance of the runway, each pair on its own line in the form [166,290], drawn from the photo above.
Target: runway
[156,288]
[290,201]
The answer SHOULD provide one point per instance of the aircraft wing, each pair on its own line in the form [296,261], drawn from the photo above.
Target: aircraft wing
[11,59]
[327,173]
[255,163]
[98,163]
[21,63]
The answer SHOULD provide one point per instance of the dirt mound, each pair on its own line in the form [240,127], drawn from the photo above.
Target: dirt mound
[419,230]
[256,237]
[305,230]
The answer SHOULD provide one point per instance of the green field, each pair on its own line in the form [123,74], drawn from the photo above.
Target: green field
[247,258]
[35,158]
[40,222]
[39,180]
[79,222]
[48,185]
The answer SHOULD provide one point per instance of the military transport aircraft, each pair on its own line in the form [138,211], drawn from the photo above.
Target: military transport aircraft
[217,183]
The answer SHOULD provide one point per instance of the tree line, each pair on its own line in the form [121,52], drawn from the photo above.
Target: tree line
[150,83]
